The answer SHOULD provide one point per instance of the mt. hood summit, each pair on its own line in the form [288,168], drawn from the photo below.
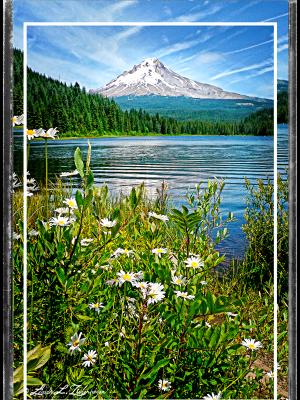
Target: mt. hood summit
[152,77]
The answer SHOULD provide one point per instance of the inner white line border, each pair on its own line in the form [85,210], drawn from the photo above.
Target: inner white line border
[148,24]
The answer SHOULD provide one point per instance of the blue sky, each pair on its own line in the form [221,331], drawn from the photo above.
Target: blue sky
[238,59]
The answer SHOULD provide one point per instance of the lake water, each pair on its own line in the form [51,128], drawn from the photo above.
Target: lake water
[182,161]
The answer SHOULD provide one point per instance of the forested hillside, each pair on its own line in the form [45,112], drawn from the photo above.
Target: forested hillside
[75,112]
[187,108]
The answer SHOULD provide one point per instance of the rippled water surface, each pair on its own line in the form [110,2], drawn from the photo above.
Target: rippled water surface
[181,161]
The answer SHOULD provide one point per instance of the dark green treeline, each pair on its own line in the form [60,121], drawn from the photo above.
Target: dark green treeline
[73,111]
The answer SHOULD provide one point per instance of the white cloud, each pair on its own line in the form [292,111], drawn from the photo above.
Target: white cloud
[282,48]
[250,47]
[242,69]
[196,16]
[253,75]
[177,47]
[209,57]
[282,39]
[277,17]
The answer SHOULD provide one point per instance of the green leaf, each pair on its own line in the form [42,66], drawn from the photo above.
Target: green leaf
[61,275]
[31,381]
[151,375]
[78,162]
[88,199]
[90,180]
[79,198]
[133,198]
[84,317]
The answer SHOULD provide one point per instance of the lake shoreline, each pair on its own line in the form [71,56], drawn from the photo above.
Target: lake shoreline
[147,135]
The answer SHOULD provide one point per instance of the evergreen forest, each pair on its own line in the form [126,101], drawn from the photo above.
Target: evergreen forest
[75,112]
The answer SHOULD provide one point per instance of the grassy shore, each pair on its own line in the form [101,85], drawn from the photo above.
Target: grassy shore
[73,136]
[125,299]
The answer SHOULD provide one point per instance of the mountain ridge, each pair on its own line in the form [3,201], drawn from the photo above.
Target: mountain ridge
[152,77]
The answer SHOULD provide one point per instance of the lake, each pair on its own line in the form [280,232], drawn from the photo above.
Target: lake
[182,161]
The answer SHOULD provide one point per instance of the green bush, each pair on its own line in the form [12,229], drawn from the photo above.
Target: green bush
[258,266]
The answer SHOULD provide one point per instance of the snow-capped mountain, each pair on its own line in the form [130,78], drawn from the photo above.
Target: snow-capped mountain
[152,77]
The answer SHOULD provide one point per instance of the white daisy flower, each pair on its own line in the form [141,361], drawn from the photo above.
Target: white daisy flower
[120,251]
[61,221]
[49,134]
[159,251]
[126,277]
[184,295]
[96,306]
[106,344]
[203,283]
[131,311]
[16,182]
[64,174]
[251,344]
[194,262]
[106,223]
[164,385]
[71,203]
[33,232]
[31,181]
[162,217]
[106,267]
[139,275]
[89,359]
[154,293]
[178,280]
[16,236]
[111,282]
[270,374]
[32,133]
[86,242]
[123,332]
[230,314]
[18,120]
[76,341]
[213,396]
[141,285]
[207,324]
[63,210]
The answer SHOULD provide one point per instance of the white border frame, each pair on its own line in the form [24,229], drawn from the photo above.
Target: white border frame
[167,24]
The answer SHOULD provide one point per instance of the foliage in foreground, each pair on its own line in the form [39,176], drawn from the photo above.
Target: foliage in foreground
[258,266]
[124,291]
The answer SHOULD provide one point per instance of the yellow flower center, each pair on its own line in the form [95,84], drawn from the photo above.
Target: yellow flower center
[194,264]
[76,342]
[61,222]
[90,357]
[30,132]
[178,280]
[251,346]
[127,277]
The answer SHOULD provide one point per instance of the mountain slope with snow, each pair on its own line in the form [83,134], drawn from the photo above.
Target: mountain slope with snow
[152,77]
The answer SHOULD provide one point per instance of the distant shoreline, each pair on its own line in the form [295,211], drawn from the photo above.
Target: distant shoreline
[145,135]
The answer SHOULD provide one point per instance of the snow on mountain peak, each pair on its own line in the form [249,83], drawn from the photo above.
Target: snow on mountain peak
[152,77]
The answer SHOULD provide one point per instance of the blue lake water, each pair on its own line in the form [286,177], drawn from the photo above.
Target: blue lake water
[182,161]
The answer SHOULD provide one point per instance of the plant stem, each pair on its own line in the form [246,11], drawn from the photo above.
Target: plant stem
[31,307]
[46,172]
